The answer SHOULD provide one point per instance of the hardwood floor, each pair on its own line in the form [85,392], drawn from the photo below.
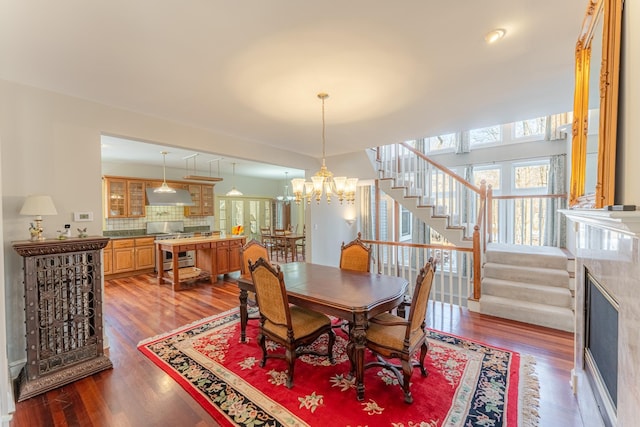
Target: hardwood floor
[137,393]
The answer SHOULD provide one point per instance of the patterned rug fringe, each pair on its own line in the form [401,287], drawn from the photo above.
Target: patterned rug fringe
[529,392]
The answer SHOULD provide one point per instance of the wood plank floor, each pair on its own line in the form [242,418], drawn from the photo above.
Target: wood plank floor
[137,393]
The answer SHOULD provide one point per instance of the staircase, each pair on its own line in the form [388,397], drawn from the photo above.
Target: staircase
[531,284]
[428,213]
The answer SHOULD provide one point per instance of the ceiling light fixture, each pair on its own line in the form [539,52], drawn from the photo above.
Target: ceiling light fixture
[495,35]
[234,191]
[164,188]
[286,197]
[194,176]
[323,180]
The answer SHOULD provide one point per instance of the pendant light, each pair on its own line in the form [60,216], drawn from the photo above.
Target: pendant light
[286,197]
[234,192]
[164,188]
[323,181]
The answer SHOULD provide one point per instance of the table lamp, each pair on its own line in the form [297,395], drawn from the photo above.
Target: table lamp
[38,205]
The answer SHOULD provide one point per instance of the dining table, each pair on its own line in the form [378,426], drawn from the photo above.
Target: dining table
[350,295]
[290,240]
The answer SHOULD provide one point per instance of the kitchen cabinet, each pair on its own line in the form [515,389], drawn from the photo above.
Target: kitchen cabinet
[222,257]
[202,196]
[123,255]
[206,200]
[125,198]
[145,253]
[135,199]
[195,190]
[107,257]
[228,256]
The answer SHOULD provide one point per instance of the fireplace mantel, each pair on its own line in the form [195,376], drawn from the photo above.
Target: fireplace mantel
[607,247]
[626,222]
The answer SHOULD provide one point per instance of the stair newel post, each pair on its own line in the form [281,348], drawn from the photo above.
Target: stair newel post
[489,213]
[477,263]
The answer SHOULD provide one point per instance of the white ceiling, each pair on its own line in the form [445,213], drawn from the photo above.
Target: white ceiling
[394,70]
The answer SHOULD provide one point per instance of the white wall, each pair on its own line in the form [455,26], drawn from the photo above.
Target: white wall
[51,144]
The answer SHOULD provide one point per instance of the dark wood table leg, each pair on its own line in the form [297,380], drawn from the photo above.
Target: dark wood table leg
[357,343]
[244,315]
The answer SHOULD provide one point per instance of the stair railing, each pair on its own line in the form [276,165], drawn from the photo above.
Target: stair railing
[449,194]
[522,219]
[453,282]
[432,184]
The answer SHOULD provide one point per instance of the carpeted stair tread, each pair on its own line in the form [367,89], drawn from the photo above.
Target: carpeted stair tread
[529,312]
[523,255]
[541,294]
[536,275]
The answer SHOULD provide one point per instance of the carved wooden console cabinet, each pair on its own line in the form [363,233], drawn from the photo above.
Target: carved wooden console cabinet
[63,312]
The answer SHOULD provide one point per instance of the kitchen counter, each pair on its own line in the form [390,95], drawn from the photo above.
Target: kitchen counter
[214,255]
[198,239]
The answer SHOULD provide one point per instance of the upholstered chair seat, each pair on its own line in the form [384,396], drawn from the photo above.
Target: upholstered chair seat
[290,326]
[391,337]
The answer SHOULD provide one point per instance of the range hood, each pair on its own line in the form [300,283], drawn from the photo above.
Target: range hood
[179,198]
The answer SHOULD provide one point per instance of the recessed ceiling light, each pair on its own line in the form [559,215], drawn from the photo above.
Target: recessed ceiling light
[495,35]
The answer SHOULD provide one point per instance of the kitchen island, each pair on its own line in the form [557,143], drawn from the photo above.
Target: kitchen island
[214,255]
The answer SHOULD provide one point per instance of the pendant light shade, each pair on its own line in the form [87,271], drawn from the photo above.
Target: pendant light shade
[164,188]
[234,192]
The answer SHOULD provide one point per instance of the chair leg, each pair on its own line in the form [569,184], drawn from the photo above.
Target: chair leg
[290,355]
[407,370]
[332,340]
[424,348]
[262,341]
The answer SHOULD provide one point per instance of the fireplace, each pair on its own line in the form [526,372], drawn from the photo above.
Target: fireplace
[601,347]
[606,374]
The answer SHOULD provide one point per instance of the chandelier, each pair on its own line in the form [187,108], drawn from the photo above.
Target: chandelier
[323,181]
[286,197]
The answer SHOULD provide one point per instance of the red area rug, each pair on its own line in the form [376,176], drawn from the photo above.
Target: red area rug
[469,383]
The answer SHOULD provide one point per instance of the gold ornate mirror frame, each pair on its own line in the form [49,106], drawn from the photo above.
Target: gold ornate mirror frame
[605,15]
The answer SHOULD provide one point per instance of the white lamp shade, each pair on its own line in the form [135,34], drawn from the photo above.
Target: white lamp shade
[38,205]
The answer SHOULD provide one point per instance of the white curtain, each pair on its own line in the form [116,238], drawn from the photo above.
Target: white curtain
[555,224]
[463,143]
[554,123]
[366,223]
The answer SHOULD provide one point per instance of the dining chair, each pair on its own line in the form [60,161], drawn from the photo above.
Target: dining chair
[279,241]
[252,251]
[266,239]
[355,255]
[290,326]
[392,337]
[301,245]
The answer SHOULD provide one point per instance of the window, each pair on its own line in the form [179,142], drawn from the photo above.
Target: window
[491,174]
[405,222]
[531,175]
[488,135]
[441,142]
[530,129]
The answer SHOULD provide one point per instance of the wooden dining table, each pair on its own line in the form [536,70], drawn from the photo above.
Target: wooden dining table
[290,240]
[349,295]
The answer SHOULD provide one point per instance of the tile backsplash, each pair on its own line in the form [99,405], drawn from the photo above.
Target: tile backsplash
[158,213]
